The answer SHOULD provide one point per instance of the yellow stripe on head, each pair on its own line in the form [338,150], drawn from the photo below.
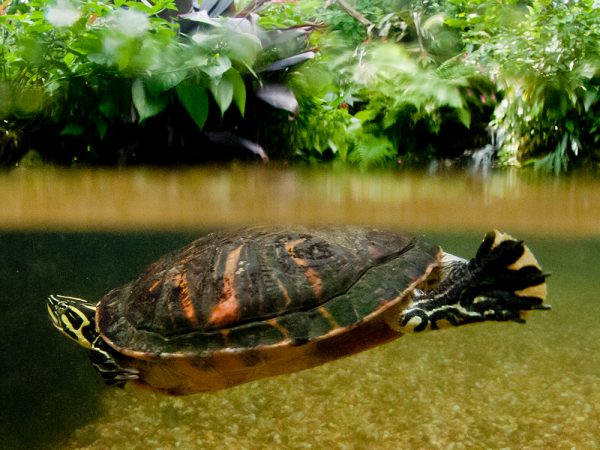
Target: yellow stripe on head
[74,317]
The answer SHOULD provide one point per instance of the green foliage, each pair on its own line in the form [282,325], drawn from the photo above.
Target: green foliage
[394,81]
[541,59]
[545,60]
[288,14]
[404,101]
[91,67]
[387,95]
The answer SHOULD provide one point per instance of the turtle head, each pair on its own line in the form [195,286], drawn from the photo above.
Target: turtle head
[74,317]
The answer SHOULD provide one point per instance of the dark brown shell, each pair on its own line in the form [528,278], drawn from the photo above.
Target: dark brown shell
[261,287]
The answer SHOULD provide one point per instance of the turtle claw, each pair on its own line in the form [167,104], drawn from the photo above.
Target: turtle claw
[541,307]
[125,374]
[118,377]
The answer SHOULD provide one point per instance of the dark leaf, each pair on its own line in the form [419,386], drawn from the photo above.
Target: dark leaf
[215,8]
[229,139]
[279,96]
[201,17]
[287,62]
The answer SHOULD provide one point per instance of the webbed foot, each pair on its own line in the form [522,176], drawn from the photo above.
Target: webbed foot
[111,372]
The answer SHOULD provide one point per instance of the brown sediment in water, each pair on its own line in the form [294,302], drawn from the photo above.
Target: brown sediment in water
[217,197]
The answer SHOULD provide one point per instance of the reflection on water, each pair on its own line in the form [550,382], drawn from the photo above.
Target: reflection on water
[146,199]
[491,385]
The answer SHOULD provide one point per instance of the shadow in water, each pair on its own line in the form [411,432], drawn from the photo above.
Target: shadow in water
[48,385]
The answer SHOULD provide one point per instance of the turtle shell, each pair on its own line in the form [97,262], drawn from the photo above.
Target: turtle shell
[261,288]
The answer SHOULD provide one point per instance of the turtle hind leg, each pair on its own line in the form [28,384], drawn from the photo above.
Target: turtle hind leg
[501,283]
[109,369]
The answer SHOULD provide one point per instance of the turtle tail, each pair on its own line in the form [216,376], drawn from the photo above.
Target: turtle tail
[501,283]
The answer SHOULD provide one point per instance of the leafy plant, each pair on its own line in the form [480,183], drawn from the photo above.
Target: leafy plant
[545,60]
[386,94]
[102,72]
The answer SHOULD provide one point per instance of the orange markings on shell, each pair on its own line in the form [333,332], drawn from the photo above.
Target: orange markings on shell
[311,274]
[227,310]
[323,311]
[284,292]
[187,305]
[315,280]
[154,286]
[279,327]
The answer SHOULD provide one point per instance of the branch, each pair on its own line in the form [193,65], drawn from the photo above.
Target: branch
[354,13]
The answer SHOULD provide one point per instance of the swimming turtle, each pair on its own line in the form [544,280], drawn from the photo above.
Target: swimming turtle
[240,305]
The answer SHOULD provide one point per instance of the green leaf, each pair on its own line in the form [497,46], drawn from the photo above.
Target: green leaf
[244,47]
[464,115]
[222,91]
[164,81]
[195,100]
[569,125]
[73,129]
[372,151]
[365,115]
[219,65]
[239,88]
[147,104]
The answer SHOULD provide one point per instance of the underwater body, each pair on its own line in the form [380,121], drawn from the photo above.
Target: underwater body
[491,385]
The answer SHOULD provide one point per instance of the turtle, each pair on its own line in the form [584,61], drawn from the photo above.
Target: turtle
[239,305]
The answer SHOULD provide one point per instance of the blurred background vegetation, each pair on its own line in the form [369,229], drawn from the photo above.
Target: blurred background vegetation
[383,83]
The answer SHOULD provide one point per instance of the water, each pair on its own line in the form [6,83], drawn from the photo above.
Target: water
[486,386]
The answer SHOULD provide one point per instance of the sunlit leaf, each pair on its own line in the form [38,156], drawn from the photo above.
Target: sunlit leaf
[244,47]
[201,17]
[164,81]
[62,14]
[222,91]
[464,115]
[239,88]
[217,66]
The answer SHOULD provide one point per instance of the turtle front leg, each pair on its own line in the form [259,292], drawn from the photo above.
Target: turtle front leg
[110,370]
[501,283]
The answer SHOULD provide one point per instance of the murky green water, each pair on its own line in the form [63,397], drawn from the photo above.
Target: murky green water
[512,386]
